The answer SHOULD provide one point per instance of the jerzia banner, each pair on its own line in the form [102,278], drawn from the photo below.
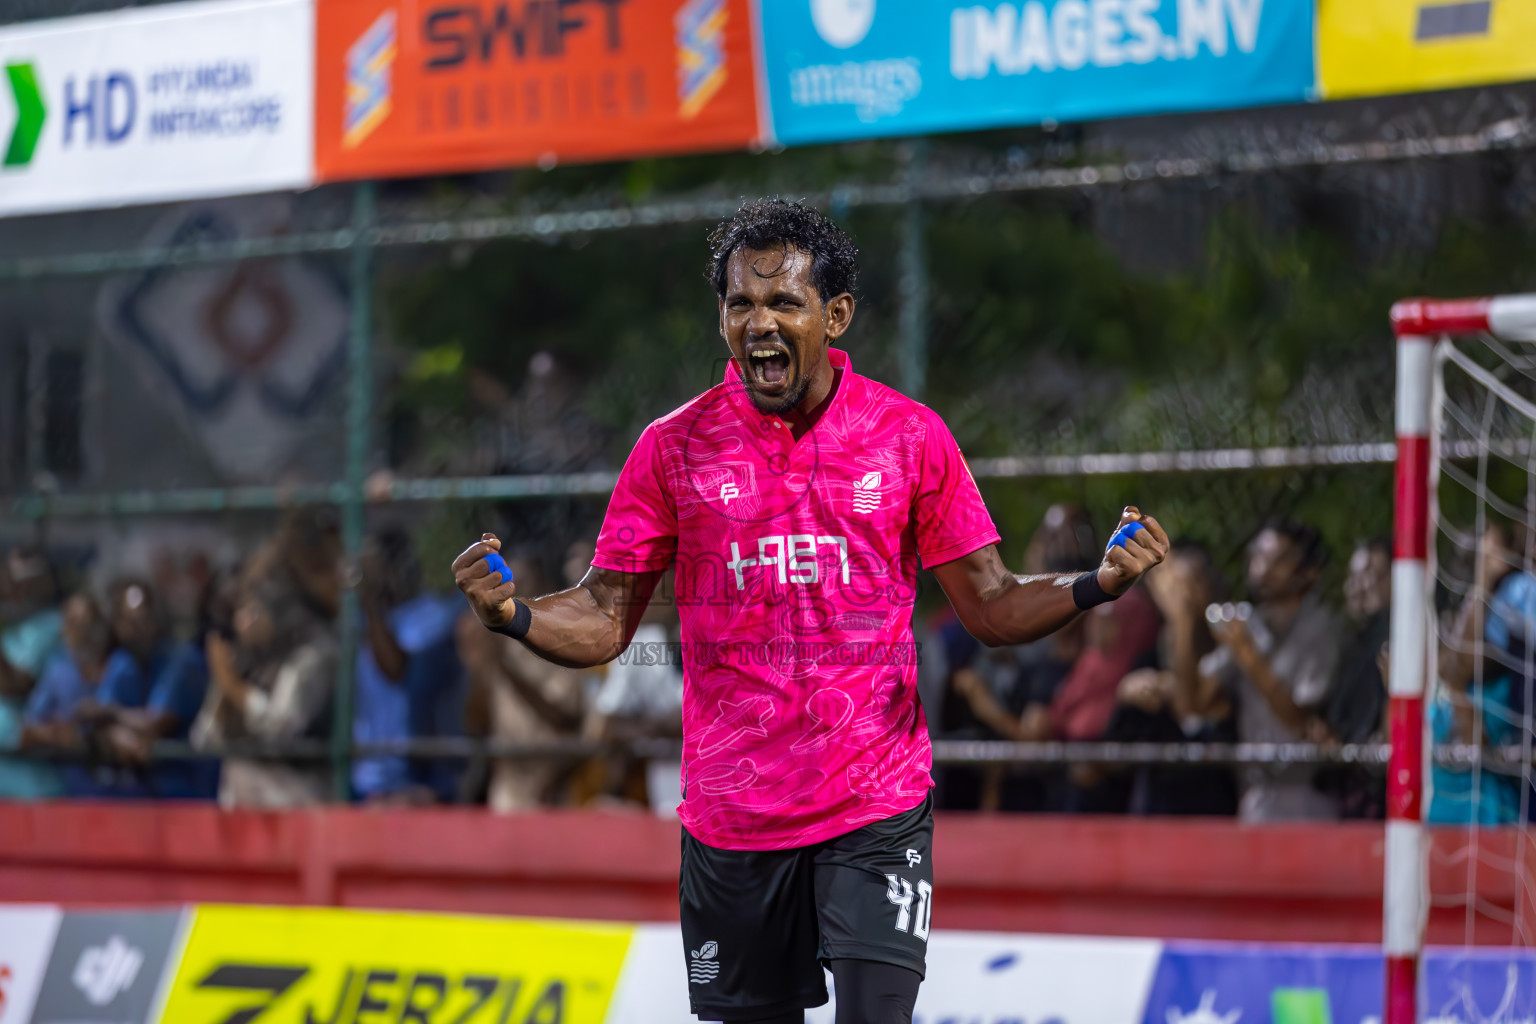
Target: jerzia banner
[348,967]
[431,86]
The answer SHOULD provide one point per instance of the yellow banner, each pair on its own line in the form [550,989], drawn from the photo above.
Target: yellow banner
[1371,47]
[278,965]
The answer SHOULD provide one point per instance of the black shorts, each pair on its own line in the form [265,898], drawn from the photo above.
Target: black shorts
[759,925]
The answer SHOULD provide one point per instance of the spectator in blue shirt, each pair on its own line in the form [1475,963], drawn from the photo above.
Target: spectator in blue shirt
[1482,668]
[66,706]
[26,645]
[405,669]
[173,676]
[27,584]
[142,648]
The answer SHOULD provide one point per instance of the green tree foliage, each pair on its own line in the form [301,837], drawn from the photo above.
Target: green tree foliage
[1042,341]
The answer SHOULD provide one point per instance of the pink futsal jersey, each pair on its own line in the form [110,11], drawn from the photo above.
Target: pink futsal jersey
[796,572]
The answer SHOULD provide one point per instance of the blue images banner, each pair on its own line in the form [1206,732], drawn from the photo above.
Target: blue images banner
[1238,983]
[840,69]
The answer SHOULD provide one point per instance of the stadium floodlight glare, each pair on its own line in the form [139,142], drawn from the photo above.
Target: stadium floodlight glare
[1465,393]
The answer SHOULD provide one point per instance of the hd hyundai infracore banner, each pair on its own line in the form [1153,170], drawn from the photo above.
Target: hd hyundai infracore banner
[178,101]
[431,86]
[840,69]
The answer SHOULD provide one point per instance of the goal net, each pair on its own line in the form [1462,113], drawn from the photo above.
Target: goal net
[1463,663]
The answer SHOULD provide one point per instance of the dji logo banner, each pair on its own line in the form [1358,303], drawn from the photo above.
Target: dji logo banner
[106,967]
[103,972]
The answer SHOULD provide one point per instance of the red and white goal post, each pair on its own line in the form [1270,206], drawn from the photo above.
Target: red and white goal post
[1421,326]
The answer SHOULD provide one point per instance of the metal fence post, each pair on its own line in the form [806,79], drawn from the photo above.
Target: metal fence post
[913,313]
[359,438]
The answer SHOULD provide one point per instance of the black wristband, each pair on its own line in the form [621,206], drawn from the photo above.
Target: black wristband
[1086,592]
[522,618]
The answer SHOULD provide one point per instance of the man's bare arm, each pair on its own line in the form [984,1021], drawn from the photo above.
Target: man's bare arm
[1255,665]
[969,684]
[997,607]
[587,625]
[1195,694]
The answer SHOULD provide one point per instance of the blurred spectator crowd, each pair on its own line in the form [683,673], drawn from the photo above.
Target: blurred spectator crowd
[1175,661]
[91,681]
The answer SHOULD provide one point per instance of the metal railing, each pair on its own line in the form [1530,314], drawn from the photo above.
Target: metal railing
[1372,755]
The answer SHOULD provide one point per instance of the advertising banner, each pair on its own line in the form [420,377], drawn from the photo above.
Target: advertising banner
[262,965]
[1284,984]
[1001,978]
[431,86]
[849,68]
[173,102]
[652,987]
[1479,986]
[1207,983]
[266,965]
[106,967]
[995,978]
[26,939]
[1371,47]
[973,978]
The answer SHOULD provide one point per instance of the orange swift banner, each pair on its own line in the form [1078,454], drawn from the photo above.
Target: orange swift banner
[407,87]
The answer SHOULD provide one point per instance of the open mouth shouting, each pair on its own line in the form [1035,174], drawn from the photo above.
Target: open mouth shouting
[769,366]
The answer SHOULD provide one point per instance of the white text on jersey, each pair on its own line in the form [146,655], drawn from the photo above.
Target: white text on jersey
[794,555]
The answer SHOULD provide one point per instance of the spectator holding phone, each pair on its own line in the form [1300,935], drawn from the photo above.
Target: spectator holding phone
[1276,666]
[273,681]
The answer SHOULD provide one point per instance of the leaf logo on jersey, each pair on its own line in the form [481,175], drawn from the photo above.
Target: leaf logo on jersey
[866,493]
[704,968]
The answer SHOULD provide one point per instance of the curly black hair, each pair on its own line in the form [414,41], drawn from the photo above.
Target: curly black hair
[774,222]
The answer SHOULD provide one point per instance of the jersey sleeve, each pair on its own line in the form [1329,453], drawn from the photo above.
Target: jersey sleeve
[640,530]
[950,519]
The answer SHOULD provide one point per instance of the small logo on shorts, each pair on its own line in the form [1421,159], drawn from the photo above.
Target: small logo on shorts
[914,858]
[866,493]
[704,967]
[728,491]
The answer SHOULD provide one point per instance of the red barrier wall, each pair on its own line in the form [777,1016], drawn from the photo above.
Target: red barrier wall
[1106,876]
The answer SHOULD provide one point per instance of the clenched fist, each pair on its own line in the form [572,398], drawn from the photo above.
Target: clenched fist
[488,593]
[1124,564]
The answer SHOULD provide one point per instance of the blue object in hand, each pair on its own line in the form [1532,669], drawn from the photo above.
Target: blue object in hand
[1122,535]
[496,563]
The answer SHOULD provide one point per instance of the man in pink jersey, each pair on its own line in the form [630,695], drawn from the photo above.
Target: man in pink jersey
[796,500]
